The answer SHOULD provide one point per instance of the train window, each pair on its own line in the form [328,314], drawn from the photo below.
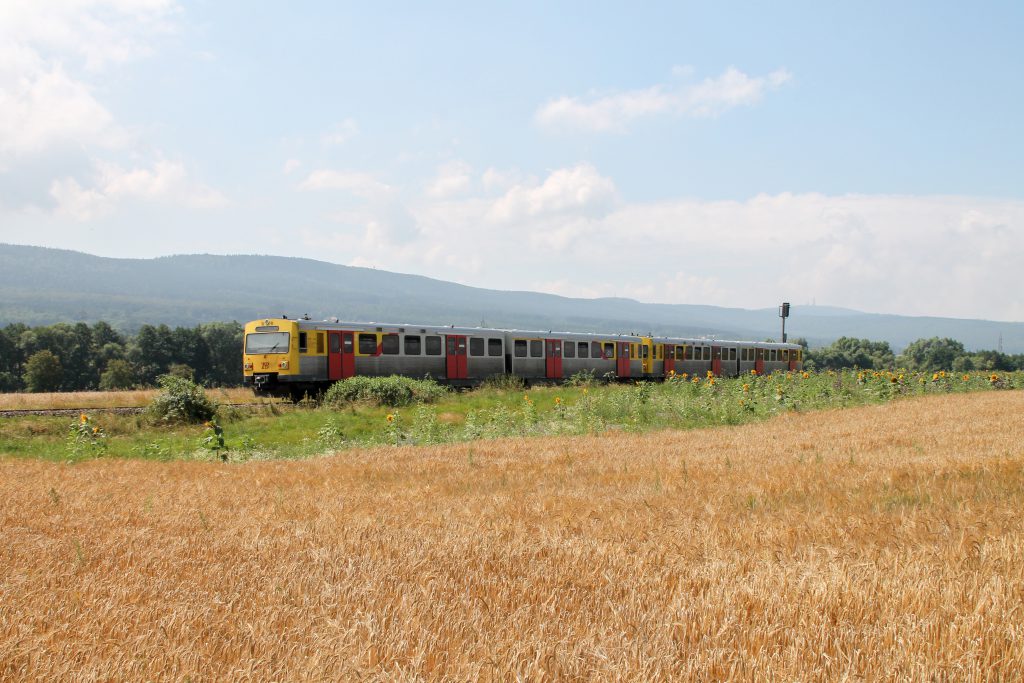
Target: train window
[335,343]
[707,353]
[368,344]
[645,351]
[609,350]
[389,344]
[520,348]
[412,344]
[536,348]
[773,355]
[688,352]
[595,350]
[569,350]
[476,346]
[785,354]
[584,350]
[302,342]
[432,345]
[319,342]
[493,347]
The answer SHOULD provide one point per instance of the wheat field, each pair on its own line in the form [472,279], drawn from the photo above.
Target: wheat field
[879,543]
[129,398]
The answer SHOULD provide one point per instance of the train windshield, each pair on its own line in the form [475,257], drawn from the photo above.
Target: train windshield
[267,342]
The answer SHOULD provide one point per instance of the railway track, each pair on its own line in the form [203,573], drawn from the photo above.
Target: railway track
[115,410]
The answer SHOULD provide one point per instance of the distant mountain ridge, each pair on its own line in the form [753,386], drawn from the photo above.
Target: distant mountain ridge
[42,286]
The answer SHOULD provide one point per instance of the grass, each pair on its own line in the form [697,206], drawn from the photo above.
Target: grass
[880,542]
[269,431]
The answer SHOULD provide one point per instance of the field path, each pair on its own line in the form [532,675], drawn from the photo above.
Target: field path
[879,543]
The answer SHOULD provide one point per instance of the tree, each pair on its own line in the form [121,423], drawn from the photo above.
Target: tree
[43,372]
[118,375]
[224,341]
[932,355]
[848,352]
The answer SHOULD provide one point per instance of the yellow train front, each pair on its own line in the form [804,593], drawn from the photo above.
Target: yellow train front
[270,361]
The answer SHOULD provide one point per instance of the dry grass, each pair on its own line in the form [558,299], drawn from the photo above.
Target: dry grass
[881,543]
[106,399]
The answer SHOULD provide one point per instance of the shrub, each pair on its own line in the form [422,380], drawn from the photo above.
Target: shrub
[385,391]
[583,378]
[504,382]
[180,400]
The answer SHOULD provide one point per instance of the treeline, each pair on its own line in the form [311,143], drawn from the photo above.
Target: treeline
[81,357]
[925,355]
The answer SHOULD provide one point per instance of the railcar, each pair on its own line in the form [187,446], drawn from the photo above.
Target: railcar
[287,357]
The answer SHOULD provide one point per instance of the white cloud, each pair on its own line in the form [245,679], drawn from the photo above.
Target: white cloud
[453,178]
[614,112]
[358,183]
[578,190]
[166,183]
[291,165]
[50,53]
[341,132]
[571,234]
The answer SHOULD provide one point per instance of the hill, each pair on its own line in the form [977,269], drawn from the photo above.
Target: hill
[43,286]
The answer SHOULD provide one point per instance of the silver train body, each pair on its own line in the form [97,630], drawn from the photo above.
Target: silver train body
[307,356]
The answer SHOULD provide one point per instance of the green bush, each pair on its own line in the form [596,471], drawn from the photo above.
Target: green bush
[180,400]
[391,391]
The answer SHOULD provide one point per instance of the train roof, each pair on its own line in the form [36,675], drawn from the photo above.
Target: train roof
[419,328]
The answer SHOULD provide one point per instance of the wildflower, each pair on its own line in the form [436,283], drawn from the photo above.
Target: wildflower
[671,373]
[942,374]
[894,379]
[967,378]
[935,377]
[742,402]
[807,375]
[95,430]
[753,372]
[993,378]
[207,424]
[746,387]
[696,379]
[686,376]
[584,391]
[711,381]
[901,376]
[710,374]
[526,397]
[390,418]
[83,418]
[558,401]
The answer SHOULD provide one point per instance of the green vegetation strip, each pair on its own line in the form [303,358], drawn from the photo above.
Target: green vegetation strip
[357,415]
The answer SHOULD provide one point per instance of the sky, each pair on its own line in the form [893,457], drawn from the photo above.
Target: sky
[866,155]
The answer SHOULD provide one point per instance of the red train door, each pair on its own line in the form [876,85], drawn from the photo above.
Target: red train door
[716,360]
[622,359]
[669,351]
[759,361]
[341,356]
[553,358]
[792,361]
[456,352]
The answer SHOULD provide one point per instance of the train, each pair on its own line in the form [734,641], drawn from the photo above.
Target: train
[296,357]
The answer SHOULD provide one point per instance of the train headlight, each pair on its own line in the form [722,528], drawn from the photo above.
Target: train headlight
[248,366]
[283,365]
